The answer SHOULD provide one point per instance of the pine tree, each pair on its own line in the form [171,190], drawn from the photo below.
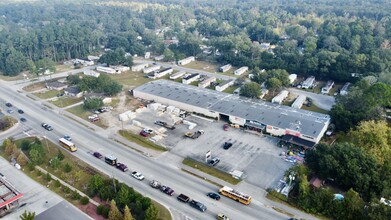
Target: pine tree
[27,215]
[114,213]
[152,213]
[127,214]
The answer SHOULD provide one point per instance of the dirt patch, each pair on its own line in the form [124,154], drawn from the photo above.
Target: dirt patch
[90,210]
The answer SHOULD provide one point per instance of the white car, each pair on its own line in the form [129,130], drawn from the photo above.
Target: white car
[137,175]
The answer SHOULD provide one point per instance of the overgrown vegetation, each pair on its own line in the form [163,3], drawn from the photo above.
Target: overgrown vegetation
[138,139]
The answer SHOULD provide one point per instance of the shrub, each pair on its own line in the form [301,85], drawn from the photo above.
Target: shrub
[100,209]
[39,173]
[48,177]
[60,155]
[25,145]
[67,168]
[76,195]
[105,212]
[66,189]
[31,166]
[84,200]
[57,183]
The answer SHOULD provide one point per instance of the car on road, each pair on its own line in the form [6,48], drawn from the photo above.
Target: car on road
[2,176]
[23,120]
[167,190]
[183,198]
[155,184]
[98,155]
[122,167]
[225,127]
[227,145]
[214,161]
[222,217]
[67,137]
[46,126]
[213,195]
[197,205]
[8,104]
[137,175]
[20,111]
[10,111]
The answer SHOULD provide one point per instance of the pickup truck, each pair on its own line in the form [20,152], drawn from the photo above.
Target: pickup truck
[164,124]
[195,134]
[183,198]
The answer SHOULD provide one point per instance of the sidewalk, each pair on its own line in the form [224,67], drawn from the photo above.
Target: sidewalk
[66,184]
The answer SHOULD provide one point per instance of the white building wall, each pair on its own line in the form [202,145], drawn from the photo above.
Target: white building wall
[292,78]
[280,97]
[275,130]
[105,69]
[207,82]
[241,70]
[192,79]
[186,60]
[298,103]
[177,75]
[237,120]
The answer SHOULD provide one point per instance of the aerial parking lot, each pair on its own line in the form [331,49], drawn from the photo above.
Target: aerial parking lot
[252,153]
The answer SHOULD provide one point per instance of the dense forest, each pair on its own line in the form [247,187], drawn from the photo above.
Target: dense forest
[328,39]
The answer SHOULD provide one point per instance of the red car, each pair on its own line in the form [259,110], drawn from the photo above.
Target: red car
[98,155]
[146,132]
[122,167]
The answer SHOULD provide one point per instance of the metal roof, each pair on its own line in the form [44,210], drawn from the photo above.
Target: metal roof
[306,122]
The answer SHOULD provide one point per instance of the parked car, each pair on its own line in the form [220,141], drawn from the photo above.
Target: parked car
[46,126]
[213,195]
[67,137]
[10,111]
[8,104]
[23,120]
[167,190]
[225,127]
[214,161]
[122,167]
[227,145]
[137,175]
[20,111]
[197,205]
[146,132]
[183,198]
[98,155]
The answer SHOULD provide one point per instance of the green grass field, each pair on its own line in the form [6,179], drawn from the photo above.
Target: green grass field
[47,94]
[142,141]
[82,113]
[66,101]
[211,171]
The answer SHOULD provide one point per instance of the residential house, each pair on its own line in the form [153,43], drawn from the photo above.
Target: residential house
[206,82]
[191,78]
[326,89]
[160,74]
[241,70]
[83,61]
[186,60]
[224,85]
[73,91]
[292,78]
[93,58]
[56,85]
[264,46]
[225,68]
[147,55]
[298,103]
[108,70]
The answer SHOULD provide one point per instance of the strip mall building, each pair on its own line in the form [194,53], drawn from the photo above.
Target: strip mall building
[300,127]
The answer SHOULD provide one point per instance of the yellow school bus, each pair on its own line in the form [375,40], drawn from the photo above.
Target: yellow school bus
[235,195]
[68,145]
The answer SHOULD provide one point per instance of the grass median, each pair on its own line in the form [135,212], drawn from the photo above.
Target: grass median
[141,140]
[211,171]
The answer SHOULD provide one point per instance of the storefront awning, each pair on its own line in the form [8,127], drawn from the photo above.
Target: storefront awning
[298,141]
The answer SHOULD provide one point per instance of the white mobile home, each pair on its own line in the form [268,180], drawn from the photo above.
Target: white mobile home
[298,103]
[191,78]
[106,70]
[186,60]
[280,97]
[225,68]
[139,67]
[224,85]
[151,69]
[345,88]
[292,78]
[177,75]
[326,89]
[91,73]
[206,82]
[241,70]
[308,83]
[159,58]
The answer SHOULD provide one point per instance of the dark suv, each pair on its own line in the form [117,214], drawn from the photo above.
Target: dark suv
[197,205]
[167,190]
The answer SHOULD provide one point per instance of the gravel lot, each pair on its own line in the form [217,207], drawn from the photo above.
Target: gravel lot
[256,155]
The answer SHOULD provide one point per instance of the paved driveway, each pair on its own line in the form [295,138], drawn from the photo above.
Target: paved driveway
[322,101]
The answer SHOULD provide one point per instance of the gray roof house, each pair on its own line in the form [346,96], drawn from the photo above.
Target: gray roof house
[56,85]
[73,91]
